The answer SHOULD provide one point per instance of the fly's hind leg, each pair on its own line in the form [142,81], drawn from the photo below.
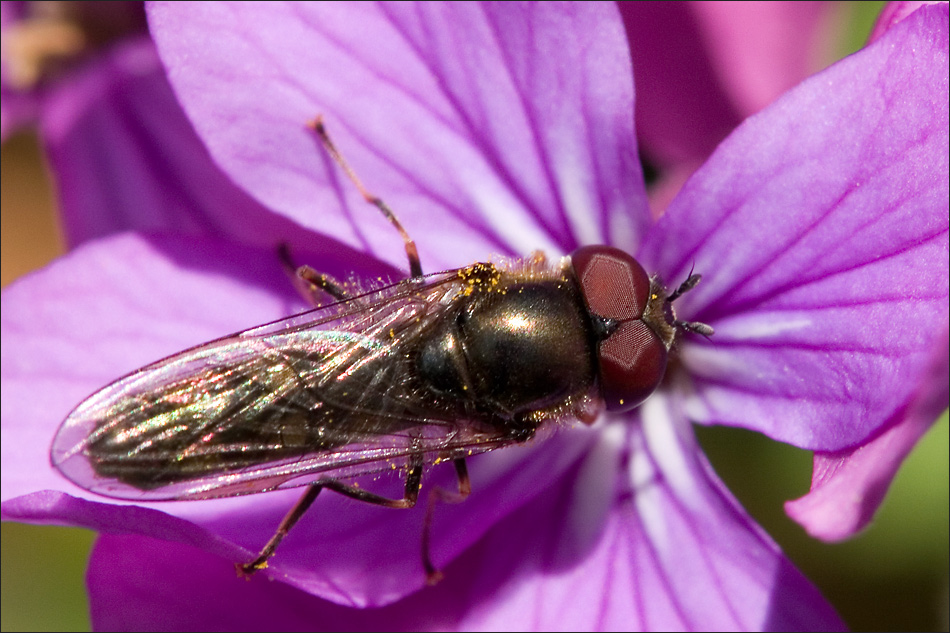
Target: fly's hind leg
[413,484]
[298,510]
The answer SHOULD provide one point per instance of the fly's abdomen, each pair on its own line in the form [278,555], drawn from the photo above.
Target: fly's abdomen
[224,419]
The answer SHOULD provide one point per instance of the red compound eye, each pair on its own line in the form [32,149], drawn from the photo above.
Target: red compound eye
[631,360]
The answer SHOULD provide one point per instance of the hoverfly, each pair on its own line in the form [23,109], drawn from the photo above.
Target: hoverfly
[433,368]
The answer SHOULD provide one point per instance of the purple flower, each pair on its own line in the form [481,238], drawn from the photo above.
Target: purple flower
[820,226]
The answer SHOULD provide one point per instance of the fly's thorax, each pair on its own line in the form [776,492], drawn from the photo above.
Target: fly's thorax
[512,344]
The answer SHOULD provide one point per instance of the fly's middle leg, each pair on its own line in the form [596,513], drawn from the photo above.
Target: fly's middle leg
[309,283]
[298,510]
[433,575]
[412,253]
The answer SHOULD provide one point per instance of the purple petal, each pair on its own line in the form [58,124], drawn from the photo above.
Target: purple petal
[183,577]
[676,551]
[507,125]
[847,487]
[126,158]
[821,227]
[50,507]
[891,14]
[137,583]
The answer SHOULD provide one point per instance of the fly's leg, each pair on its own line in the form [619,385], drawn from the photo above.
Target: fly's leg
[413,484]
[309,283]
[433,575]
[412,253]
[298,510]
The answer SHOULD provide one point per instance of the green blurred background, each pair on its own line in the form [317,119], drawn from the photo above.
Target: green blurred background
[892,577]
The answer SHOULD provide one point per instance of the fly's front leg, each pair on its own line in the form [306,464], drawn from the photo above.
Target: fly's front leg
[413,484]
[433,575]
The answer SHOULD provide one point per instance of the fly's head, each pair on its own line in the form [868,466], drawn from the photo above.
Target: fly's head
[633,320]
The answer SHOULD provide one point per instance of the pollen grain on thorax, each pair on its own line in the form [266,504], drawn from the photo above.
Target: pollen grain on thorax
[481,277]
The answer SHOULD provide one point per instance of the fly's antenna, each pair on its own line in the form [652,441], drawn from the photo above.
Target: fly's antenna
[686,286]
[690,326]
[412,253]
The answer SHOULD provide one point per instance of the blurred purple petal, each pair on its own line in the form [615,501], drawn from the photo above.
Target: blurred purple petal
[508,126]
[847,487]
[17,105]
[671,80]
[124,155]
[892,13]
[730,60]
[44,43]
[17,109]
[825,274]
[761,49]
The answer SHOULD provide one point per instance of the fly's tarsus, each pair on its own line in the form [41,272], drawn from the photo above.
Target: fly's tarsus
[413,484]
[290,519]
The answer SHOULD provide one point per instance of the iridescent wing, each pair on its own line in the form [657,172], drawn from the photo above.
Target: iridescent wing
[331,392]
